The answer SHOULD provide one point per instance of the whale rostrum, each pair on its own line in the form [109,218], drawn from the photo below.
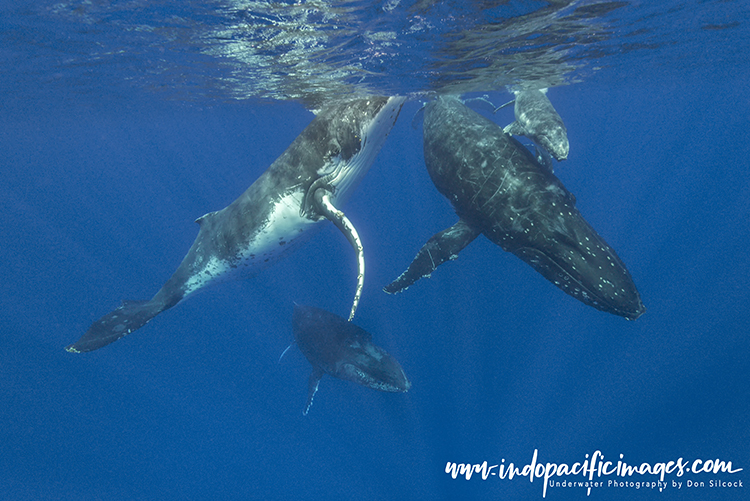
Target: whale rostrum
[309,182]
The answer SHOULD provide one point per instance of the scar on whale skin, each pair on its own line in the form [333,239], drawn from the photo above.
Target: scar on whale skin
[499,189]
[316,174]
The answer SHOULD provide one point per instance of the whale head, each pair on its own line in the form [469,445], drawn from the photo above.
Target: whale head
[337,347]
[555,141]
[349,136]
[570,253]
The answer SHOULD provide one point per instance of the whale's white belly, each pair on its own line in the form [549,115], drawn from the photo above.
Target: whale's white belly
[284,230]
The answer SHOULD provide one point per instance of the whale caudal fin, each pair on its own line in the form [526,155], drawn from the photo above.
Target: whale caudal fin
[440,248]
[323,204]
[129,316]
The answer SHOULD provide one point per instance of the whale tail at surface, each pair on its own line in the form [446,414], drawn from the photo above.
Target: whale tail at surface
[129,316]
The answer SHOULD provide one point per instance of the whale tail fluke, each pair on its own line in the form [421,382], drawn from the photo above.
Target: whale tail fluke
[129,316]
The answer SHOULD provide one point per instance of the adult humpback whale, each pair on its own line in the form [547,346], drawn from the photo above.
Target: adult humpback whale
[538,120]
[339,348]
[315,174]
[499,189]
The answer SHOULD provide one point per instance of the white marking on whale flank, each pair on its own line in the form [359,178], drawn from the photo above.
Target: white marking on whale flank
[280,233]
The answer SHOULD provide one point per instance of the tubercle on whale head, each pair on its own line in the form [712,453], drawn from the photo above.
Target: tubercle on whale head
[343,350]
[373,367]
[584,266]
[556,143]
[620,299]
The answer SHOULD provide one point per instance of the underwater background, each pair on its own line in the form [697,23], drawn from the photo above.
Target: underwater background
[123,122]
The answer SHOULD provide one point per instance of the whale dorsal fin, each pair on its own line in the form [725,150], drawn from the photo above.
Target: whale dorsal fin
[204,216]
[315,377]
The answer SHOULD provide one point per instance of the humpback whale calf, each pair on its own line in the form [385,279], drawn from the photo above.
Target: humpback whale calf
[339,348]
[498,189]
[313,176]
[538,120]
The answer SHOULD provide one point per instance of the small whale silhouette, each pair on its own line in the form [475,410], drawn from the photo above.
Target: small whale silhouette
[337,347]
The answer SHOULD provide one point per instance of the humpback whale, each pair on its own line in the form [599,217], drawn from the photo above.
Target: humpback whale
[315,175]
[538,120]
[339,348]
[498,189]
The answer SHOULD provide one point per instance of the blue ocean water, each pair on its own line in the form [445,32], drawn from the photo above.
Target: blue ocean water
[122,122]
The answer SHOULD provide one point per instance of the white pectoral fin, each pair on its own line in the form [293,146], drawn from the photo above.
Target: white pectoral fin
[284,352]
[503,106]
[315,377]
[324,205]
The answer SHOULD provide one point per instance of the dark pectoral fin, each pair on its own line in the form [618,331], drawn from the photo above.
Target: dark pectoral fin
[440,248]
[515,129]
[324,206]
[131,315]
[315,378]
